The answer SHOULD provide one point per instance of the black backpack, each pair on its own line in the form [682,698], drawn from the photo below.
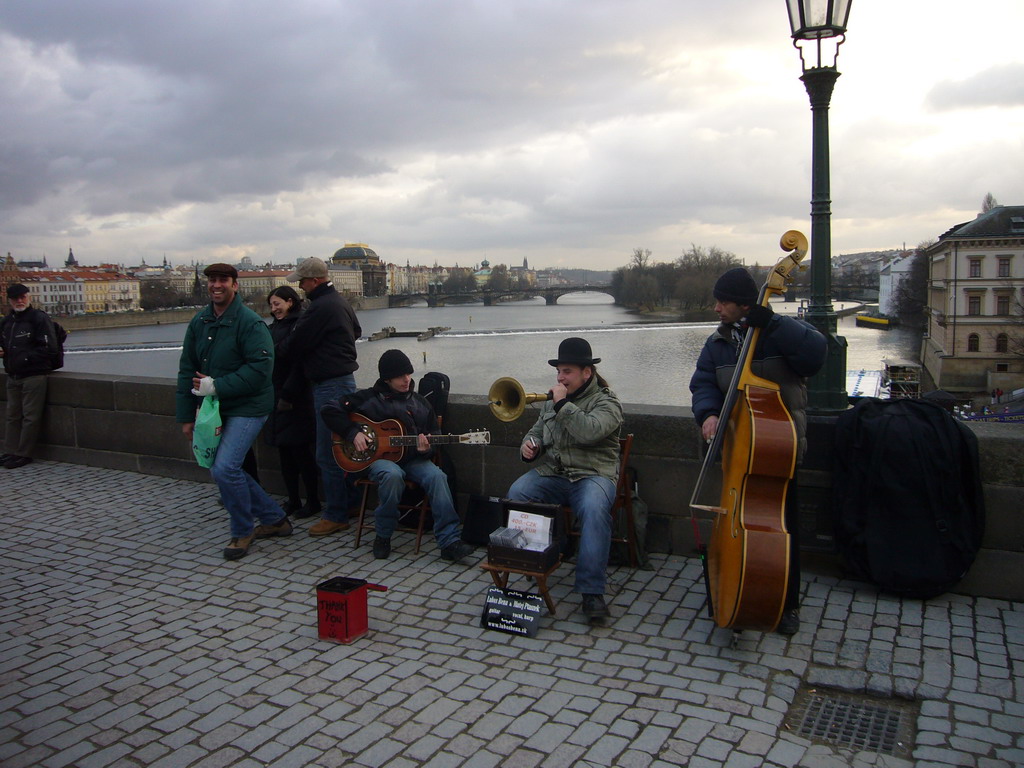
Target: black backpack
[907,496]
[434,388]
[61,336]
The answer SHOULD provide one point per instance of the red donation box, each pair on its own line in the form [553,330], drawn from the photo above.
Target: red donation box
[341,608]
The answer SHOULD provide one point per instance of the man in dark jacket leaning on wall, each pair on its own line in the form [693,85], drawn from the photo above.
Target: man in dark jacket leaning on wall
[30,349]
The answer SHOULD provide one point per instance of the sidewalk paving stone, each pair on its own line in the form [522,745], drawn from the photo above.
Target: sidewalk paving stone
[128,641]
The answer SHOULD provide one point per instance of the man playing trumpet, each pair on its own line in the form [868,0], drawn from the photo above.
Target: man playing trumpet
[575,444]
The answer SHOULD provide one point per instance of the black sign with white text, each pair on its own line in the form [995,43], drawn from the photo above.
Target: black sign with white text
[508,610]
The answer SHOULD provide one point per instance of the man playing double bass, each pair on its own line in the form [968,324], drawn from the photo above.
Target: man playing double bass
[788,351]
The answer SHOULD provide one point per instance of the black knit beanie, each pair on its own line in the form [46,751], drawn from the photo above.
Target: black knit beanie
[737,286]
[393,364]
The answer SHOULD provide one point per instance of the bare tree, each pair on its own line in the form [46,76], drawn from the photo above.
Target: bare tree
[499,279]
[641,258]
[460,281]
[988,203]
[911,293]
[1015,331]
[686,282]
[698,269]
[648,292]
[712,261]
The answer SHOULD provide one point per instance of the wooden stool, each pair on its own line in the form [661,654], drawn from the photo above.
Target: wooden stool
[500,574]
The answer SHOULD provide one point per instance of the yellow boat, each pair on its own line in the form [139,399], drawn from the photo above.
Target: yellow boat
[873,321]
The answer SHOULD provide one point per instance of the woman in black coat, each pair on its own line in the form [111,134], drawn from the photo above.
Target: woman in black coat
[292,424]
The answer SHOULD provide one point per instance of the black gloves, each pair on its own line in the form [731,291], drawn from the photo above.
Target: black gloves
[759,316]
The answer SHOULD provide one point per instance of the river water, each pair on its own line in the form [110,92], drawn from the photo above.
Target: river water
[645,362]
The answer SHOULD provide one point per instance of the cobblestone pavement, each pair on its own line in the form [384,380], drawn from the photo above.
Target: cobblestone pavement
[126,640]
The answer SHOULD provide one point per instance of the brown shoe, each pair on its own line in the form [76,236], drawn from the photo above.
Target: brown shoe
[238,548]
[323,527]
[282,527]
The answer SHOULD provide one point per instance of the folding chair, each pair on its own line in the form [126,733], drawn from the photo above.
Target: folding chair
[421,506]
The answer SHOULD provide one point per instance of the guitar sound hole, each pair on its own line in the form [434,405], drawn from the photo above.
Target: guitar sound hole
[371,446]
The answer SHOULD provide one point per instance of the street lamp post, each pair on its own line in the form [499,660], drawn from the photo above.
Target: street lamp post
[813,21]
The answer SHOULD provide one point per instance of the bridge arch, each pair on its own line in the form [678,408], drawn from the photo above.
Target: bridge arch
[489,298]
[552,295]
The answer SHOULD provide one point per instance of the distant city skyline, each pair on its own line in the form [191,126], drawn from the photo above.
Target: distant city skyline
[568,133]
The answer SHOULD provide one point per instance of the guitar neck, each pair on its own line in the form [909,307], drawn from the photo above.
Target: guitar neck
[405,441]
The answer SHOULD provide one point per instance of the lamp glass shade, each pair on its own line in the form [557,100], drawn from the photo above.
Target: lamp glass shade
[818,19]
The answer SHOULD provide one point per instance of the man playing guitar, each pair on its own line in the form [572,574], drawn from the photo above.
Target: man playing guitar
[394,397]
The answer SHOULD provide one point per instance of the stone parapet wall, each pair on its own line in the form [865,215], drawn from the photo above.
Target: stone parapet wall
[127,423]
[125,319]
[172,316]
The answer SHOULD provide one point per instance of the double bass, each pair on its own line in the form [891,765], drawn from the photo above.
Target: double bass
[747,566]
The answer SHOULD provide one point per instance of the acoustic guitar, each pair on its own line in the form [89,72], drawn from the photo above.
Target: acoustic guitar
[389,441]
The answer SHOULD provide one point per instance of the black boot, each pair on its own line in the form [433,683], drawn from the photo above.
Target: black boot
[381,548]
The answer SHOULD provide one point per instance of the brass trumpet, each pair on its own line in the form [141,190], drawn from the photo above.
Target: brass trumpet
[508,400]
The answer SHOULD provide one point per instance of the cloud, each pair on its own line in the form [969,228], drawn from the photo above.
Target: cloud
[999,86]
[450,131]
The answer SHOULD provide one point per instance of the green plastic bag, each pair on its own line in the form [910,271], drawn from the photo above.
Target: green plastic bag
[206,434]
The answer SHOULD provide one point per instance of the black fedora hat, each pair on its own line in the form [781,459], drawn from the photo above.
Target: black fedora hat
[574,351]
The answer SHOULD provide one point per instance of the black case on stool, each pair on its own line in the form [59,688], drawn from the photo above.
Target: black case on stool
[527,559]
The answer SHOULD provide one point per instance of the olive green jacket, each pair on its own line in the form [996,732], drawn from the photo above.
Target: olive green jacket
[237,351]
[581,438]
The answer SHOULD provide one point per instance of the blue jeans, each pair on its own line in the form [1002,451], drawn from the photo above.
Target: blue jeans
[591,501]
[390,479]
[333,476]
[244,498]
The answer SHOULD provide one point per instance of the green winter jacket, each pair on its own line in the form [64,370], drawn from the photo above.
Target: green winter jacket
[581,437]
[237,351]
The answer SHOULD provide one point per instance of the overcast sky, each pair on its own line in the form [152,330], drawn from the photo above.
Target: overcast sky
[452,131]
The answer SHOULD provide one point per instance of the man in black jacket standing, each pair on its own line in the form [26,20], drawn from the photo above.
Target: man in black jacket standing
[30,349]
[324,340]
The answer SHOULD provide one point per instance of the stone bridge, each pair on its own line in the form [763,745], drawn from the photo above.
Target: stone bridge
[440,298]
[128,423]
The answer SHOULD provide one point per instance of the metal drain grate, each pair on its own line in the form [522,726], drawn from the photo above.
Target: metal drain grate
[863,723]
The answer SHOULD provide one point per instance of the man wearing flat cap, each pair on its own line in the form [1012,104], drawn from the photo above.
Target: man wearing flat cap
[394,397]
[31,349]
[228,352]
[575,444]
[324,340]
[788,351]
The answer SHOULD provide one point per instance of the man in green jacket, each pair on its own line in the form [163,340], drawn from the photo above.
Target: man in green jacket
[575,443]
[228,353]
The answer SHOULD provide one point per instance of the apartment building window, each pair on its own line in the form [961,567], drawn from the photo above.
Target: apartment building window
[974,305]
[973,343]
[1004,266]
[1002,343]
[1002,305]
[974,268]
